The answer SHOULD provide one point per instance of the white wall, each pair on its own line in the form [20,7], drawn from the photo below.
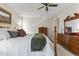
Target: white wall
[31,24]
[15,17]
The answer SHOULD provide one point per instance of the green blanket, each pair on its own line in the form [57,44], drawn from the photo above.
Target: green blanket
[38,42]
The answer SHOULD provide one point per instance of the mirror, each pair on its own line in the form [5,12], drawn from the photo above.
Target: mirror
[71,24]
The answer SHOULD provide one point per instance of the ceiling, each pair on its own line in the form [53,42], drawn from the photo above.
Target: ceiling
[31,9]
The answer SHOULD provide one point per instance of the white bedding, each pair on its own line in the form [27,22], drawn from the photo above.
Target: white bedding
[21,46]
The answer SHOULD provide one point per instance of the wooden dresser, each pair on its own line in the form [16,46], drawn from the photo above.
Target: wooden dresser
[43,30]
[70,42]
[60,38]
[73,44]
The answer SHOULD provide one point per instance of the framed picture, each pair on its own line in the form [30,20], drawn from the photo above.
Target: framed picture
[5,16]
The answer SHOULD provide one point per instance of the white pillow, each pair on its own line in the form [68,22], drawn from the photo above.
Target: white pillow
[4,34]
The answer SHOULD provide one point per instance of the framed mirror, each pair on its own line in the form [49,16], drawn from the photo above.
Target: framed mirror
[71,24]
[5,16]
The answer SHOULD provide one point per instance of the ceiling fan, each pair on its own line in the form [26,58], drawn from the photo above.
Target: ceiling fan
[46,5]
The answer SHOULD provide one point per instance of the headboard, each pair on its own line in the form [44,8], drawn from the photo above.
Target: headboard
[4,27]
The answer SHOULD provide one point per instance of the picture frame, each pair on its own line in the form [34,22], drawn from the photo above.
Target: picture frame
[5,16]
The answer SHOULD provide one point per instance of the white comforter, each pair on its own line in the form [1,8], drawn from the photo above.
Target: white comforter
[21,46]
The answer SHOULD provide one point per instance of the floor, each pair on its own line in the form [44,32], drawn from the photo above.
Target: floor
[60,50]
[63,52]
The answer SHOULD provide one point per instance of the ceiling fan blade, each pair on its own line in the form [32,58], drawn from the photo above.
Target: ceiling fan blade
[41,7]
[46,8]
[52,5]
[45,4]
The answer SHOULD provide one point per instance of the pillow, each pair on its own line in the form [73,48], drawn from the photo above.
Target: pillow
[21,32]
[13,34]
[4,34]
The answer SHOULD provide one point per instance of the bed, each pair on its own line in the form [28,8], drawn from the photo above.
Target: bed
[21,46]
